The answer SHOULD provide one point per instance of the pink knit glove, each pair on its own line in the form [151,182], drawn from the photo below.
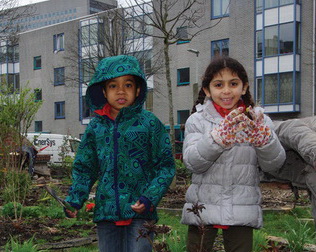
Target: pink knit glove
[258,133]
[230,130]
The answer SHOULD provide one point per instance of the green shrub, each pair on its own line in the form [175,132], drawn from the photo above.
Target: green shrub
[8,210]
[17,186]
[26,246]
[31,212]
[54,211]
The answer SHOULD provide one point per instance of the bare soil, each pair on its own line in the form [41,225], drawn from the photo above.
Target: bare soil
[275,196]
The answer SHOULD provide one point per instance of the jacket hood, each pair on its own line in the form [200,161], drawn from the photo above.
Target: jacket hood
[113,67]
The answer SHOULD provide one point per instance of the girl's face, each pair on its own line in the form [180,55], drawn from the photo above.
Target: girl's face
[225,89]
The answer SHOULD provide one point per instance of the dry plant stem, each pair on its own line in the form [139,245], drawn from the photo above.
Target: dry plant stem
[196,209]
[202,240]
[151,242]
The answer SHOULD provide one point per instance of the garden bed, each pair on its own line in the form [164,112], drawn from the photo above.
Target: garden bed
[46,230]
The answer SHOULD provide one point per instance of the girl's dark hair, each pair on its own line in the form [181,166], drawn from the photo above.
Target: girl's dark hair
[217,65]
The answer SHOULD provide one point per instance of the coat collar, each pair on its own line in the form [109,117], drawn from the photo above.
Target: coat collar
[209,112]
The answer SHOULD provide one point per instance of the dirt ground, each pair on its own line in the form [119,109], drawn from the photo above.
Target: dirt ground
[274,196]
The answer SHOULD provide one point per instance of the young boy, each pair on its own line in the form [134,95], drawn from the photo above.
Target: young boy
[127,150]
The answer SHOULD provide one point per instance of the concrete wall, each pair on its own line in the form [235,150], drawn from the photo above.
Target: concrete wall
[40,43]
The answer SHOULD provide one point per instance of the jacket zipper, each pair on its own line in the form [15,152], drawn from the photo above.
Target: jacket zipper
[116,170]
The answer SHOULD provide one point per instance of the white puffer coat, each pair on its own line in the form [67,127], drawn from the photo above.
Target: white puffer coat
[225,181]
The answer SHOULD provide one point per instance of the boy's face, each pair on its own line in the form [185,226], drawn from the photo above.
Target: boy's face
[121,92]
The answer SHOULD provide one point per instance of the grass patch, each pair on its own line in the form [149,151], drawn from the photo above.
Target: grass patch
[172,218]
[176,239]
[90,248]
[282,223]
[288,225]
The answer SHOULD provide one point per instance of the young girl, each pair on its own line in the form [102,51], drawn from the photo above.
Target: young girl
[225,142]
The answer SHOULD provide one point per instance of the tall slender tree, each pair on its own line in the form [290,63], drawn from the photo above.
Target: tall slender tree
[165,16]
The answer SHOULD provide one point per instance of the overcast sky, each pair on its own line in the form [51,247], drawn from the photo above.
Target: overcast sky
[24,2]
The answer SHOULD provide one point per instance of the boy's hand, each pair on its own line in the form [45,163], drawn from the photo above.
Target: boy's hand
[138,207]
[71,214]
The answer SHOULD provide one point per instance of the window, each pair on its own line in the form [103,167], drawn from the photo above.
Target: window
[85,109]
[38,126]
[38,94]
[259,6]
[90,34]
[259,92]
[278,88]
[183,115]
[271,40]
[59,76]
[220,48]
[144,58]
[183,76]
[37,62]
[284,2]
[182,35]
[298,38]
[271,3]
[279,39]
[58,42]
[140,27]
[271,89]
[276,3]
[3,54]
[16,53]
[286,38]
[259,44]
[220,8]
[88,67]
[286,87]
[13,54]
[14,82]
[59,110]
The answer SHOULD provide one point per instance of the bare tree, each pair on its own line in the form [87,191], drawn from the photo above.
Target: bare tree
[165,16]
[10,14]
[103,35]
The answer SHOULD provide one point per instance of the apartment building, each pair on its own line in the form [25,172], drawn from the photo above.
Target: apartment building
[36,16]
[48,62]
[273,39]
[61,59]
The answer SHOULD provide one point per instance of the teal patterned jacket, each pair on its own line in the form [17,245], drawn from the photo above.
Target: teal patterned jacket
[129,157]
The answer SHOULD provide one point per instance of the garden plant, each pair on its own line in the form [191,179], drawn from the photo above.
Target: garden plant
[42,223]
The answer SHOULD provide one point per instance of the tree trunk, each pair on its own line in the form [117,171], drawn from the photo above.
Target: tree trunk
[170,99]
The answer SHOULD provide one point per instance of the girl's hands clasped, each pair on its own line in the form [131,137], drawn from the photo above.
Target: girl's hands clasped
[227,133]
[238,128]
[258,133]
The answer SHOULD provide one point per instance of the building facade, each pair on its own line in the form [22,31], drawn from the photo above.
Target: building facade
[49,62]
[273,39]
[36,16]
[60,62]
